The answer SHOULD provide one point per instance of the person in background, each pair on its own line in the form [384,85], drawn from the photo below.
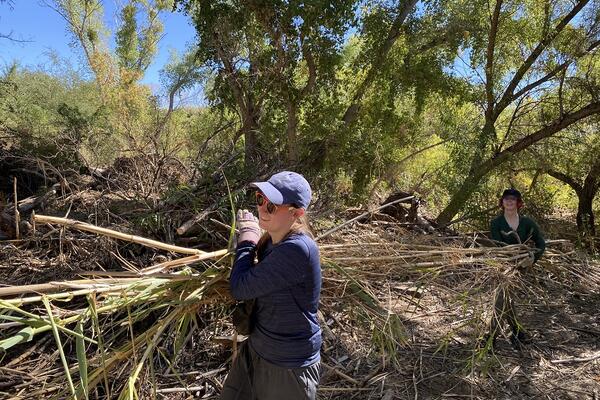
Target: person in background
[281,358]
[512,228]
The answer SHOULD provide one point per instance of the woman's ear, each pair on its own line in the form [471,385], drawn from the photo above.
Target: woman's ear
[298,212]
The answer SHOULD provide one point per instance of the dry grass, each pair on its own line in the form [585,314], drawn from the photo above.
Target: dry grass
[402,315]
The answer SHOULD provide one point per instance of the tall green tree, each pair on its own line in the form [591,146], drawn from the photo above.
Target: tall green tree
[291,61]
[403,52]
[526,64]
[268,57]
[573,158]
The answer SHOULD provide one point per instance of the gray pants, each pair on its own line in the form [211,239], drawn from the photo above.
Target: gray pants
[253,378]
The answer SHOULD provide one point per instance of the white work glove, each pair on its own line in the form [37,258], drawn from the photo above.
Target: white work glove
[527,262]
[247,227]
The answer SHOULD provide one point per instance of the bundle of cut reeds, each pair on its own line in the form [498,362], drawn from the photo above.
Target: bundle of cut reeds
[135,324]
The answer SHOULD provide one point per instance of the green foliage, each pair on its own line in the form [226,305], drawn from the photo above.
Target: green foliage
[127,40]
[136,46]
[47,116]
[519,77]
[267,58]
[350,93]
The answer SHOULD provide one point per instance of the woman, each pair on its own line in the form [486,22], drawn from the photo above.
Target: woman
[512,228]
[281,358]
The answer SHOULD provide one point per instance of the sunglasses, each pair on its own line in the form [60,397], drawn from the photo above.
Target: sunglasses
[262,199]
[271,208]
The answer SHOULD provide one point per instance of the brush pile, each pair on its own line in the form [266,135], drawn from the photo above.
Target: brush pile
[402,315]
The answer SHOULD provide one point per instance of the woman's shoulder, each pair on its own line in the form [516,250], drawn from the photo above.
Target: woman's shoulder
[497,219]
[302,241]
[527,220]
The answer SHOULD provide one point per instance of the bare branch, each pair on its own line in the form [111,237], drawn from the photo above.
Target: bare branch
[547,131]
[513,118]
[408,157]
[560,68]
[10,36]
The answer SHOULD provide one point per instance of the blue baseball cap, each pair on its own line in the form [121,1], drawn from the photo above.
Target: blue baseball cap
[286,187]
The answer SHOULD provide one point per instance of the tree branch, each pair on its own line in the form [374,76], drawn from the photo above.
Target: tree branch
[560,68]
[513,118]
[489,65]
[408,157]
[9,36]
[508,95]
[312,70]
[547,131]
[576,186]
[442,36]
[231,75]
[404,9]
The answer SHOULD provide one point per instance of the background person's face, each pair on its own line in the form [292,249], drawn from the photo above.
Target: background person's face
[509,203]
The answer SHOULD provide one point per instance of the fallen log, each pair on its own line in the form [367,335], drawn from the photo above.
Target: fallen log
[30,203]
[11,218]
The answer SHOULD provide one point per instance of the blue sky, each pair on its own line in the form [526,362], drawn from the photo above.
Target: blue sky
[32,20]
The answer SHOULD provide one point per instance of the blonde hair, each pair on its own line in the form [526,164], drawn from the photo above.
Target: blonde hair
[301,225]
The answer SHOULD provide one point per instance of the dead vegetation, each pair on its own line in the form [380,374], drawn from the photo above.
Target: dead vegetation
[88,313]
[402,314]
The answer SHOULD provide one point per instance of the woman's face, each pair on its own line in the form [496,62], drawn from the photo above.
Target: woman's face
[281,220]
[509,203]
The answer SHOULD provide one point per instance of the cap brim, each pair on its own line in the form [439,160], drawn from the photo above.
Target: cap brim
[270,191]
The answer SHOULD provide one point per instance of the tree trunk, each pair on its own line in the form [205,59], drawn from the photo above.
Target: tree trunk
[468,186]
[459,198]
[585,214]
[585,195]
[292,139]
[249,130]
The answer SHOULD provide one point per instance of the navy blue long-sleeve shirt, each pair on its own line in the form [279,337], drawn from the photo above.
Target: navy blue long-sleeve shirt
[286,283]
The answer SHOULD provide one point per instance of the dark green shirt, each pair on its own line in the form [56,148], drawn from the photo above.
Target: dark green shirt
[527,230]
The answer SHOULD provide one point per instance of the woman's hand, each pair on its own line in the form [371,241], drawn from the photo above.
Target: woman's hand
[527,262]
[247,226]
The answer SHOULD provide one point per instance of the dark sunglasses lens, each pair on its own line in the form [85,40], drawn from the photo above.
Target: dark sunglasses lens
[261,200]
